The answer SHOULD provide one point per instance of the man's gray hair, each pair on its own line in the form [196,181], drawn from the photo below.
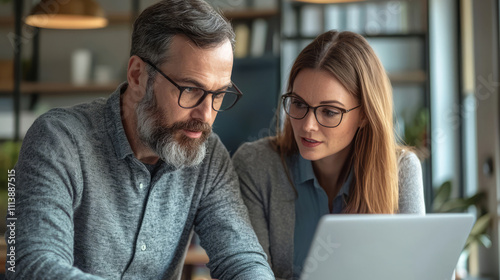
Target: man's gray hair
[158,24]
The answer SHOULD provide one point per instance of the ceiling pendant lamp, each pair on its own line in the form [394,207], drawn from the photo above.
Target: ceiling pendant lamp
[67,14]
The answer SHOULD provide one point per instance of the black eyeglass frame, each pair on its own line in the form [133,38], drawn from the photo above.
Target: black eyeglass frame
[181,89]
[292,95]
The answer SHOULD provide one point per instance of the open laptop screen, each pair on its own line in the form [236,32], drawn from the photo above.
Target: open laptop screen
[388,247]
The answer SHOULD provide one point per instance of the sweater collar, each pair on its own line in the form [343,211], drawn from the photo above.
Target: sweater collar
[114,122]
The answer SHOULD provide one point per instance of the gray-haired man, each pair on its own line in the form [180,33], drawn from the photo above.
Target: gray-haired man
[112,189]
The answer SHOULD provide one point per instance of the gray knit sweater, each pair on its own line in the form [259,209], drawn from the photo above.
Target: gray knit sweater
[270,199]
[86,208]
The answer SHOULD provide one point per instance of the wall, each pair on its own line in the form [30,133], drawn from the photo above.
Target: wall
[444,92]
[487,81]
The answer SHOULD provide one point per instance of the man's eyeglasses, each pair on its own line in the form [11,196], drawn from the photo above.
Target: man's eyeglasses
[326,115]
[190,97]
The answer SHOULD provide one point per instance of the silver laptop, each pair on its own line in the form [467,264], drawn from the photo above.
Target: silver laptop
[387,247]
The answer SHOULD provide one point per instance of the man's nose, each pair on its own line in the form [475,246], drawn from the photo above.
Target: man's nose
[204,111]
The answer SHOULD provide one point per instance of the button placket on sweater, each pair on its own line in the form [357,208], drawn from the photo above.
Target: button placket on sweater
[144,185]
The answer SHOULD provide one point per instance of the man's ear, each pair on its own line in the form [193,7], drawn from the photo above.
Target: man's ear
[137,74]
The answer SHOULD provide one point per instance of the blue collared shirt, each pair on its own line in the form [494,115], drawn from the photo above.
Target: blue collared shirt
[310,206]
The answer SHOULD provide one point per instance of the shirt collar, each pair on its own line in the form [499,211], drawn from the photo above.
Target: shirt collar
[114,122]
[303,172]
[347,184]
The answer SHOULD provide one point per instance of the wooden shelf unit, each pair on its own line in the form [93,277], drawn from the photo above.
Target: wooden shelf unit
[7,21]
[195,255]
[28,88]
[408,77]
[250,14]
[126,18]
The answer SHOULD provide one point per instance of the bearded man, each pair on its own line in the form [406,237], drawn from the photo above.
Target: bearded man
[113,189]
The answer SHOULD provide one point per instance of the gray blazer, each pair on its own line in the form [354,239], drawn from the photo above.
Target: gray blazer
[270,199]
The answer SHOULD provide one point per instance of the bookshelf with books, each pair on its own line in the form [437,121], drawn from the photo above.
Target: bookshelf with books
[257,31]
[256,70]
[46,89]
[52,49]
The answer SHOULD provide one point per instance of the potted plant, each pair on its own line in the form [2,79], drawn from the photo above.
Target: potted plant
[443,203]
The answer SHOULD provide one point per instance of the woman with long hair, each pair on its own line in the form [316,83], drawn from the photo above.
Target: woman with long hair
[335,151]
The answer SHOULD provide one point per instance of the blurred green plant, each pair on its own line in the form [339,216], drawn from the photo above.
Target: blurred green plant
[9,153]
[416,133]
[443,203]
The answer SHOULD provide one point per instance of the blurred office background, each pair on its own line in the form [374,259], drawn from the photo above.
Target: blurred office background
[442,57]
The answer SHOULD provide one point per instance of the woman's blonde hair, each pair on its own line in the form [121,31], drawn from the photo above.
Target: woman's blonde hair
[351,60]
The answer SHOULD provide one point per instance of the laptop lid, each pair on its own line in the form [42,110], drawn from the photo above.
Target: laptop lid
[387,247]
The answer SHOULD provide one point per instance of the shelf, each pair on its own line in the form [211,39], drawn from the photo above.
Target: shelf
[7,21]
[126,18]
[368,36]
[408,77]
[58,88]
[395,35]
[250,13]
[123,18]
[239,14]
[117,18]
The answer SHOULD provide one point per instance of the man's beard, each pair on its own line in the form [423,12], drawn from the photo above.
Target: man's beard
[181,152]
